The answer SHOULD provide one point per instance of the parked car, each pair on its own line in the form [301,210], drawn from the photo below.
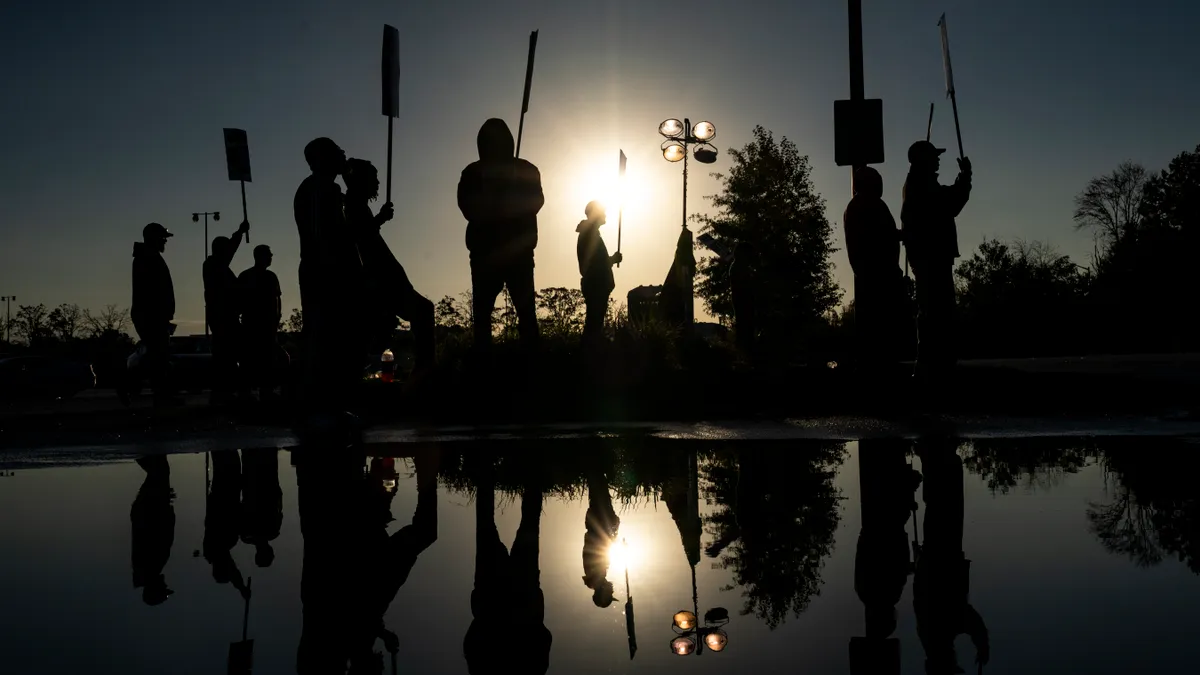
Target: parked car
[44,376]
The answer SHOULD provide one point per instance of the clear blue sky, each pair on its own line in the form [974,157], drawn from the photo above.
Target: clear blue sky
[114,112]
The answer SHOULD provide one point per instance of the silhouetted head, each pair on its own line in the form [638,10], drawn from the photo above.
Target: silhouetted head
[595,212]
[495,141]
[602,596]
[156,236]
[221,247]
[925,156]
[868,183]
[264,555]
[325,157]
[263,256]
[361,178]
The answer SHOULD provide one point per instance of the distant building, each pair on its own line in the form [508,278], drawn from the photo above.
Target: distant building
[642,303]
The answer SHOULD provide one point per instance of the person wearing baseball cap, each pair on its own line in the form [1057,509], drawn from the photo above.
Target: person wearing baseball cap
[930,236]
[153,307]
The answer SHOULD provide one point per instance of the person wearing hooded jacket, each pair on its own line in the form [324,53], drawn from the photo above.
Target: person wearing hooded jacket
[873,246]
[595,270]
[500,196]
[153,307]
[931,238]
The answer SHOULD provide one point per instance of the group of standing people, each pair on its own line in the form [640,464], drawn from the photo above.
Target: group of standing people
[930,236]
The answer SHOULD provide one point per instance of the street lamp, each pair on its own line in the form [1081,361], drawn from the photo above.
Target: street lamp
[692,638]
[7,300]
[216,215]
[679,136]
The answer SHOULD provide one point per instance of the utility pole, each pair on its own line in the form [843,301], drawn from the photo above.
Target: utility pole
[857,88]
[8,300]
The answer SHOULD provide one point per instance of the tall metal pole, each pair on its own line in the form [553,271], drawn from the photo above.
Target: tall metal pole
[8,300]
[857,89]
[687,136]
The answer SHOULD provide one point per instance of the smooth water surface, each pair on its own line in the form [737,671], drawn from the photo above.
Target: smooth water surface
[1044,555]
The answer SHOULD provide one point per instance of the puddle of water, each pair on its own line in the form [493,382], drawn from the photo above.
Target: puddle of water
[1051,555]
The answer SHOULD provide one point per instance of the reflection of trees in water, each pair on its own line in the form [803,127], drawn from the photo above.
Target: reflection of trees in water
[1032,463]
[776,511]
[1154,508]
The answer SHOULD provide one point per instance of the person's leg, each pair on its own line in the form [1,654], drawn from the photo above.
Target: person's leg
[486,284]
[156,361]
[593,326]
[417,310]
[927,333]
[519,278]
[946,303]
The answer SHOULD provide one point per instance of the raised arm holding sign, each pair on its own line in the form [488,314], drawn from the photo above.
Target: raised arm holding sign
[237,159]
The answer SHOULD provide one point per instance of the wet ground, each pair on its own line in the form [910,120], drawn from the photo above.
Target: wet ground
[1035,554]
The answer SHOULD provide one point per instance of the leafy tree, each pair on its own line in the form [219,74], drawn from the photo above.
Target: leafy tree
[107,321]
[65,322]
[563,310]
[31,324]
[295,322]
[768,198]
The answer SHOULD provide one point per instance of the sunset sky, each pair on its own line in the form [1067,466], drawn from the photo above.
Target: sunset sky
[114,113]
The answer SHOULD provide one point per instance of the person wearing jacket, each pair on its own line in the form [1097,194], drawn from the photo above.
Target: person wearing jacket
[261,309]
[500,196]
[873,246]
[595,270]
[931,238]
[153,308]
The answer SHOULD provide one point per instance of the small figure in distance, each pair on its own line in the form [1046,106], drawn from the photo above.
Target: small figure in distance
[500,196]
[595,270]
[261,311]
[388,285]
[153,310]
[873,246]
[931,237]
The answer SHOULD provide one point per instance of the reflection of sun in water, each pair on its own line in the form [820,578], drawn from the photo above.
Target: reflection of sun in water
[622,556]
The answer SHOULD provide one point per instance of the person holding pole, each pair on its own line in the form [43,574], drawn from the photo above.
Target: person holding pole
[500,196]
[595,268]
[931,240]
[221,297]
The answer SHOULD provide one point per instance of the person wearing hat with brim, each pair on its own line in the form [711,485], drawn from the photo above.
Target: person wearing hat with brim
[931,239]
[153,308]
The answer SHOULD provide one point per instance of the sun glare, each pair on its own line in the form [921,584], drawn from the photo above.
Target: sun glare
[601,182]
[621,556]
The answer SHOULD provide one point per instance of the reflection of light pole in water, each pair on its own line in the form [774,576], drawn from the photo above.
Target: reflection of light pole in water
[195,219]
[692,637]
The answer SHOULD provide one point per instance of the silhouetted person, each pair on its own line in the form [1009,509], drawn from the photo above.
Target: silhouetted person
[152,517]
[262,503]
[390,561]
[221,511]
[390,292]
[508,589]
[153,308]
[873,245]
[931,237]
[331,285]
[881,560]
[500,196]
[261,311]
[595,270]
[222,303]
[942,582]
[601,523]
[743,291]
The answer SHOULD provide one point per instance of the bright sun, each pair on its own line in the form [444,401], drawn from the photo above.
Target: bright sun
[622,555]
[601,182]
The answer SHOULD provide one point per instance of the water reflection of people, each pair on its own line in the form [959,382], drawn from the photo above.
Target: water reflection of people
[881,560]
[262,503]
[601,523]
[152,518]
[942,582]
[508,632]
[221,514]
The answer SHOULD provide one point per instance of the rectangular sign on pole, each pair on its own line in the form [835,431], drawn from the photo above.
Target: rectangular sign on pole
[946,57]
[858,132]
[391,71]
[237,154]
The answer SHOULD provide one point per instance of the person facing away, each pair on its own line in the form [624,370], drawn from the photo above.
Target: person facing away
[262,503]
[595,270]
[222,509]
[221,301]
[153,307]
[931,238]
[500,196]
[152,518]
[261,310]
[388,282]
[873,246]
[331,282]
